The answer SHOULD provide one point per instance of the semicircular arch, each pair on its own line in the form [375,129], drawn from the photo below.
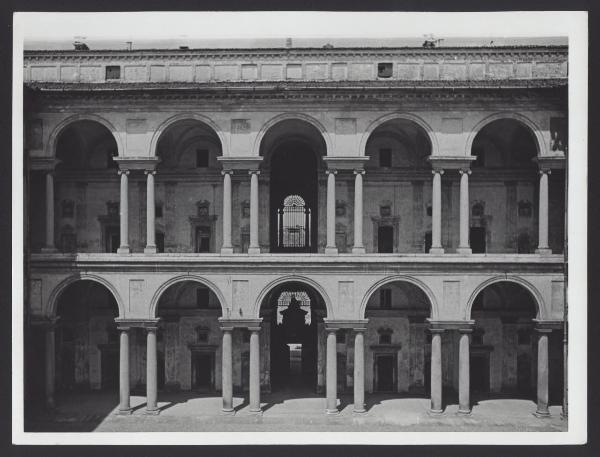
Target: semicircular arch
[183,278]
[293,278]
[291,116]
[62,286]
[433,306]
[52,140]
[520,118]
[402,116]
[535,294]
[188,116]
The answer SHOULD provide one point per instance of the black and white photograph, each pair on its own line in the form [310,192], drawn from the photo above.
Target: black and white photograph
[301,222]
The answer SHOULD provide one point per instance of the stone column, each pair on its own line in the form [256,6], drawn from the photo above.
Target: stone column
[226,369]
[331,248]
[254,247]
[542,372]
[436,213]
[331,373]
[227,248]
[254,370]
[464,401]
[359,370]
[463,245]
[151,372]
[124,392]
[124,213]
[50,365]
[543,215]
[50,247]
[358,213]
[436,371]
[150,216]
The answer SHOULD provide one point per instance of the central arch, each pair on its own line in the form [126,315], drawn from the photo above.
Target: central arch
[293,313]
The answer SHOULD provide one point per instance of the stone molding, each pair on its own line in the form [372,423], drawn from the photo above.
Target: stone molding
[230,163]
[137,163]
[240,323]
[337,324]
[450,325]
[345,163]
[143,323]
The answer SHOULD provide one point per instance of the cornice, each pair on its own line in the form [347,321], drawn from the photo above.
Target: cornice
[538,53]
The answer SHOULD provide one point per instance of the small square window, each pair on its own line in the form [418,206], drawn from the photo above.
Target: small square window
[385,158]
[385,338]
[202,335]
[201,158]
[385,210]
[202,297]
[113,72]
[385,69]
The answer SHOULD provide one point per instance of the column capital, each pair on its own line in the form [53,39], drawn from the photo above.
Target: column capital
[123,172]
[331,171]
[543,330]
[123,327]
[437,170]
[254,329]
[254,172]
[462,171]
[150,172]
[227,329]
[359,171]
[437,331]
[545,171]
[226,172]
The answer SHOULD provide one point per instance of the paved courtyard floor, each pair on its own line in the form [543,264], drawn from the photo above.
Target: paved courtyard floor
[190,412]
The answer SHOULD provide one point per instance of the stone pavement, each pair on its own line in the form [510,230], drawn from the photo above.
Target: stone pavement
[190,412]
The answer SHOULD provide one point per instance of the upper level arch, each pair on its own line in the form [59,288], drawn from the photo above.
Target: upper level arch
[535,294]
[65,123]
[206,121]
[257,149]
[186,278]
[399,116]
[400,278]
[60,288]
[523,120]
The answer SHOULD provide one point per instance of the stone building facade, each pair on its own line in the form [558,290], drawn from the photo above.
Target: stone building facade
[333,219]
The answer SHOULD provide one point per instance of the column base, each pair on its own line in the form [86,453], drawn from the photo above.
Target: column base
[152,412]
[256,412]
[464,251]
[359,411]
[228,412]
[331,250]
[253,251]
[123,250]
[358,251]
[435,412]
[463,412]
[49,250]
[150,250]
[436,251]
[542,414]
[226,251]
[124,412]
[332,412]
[543,251]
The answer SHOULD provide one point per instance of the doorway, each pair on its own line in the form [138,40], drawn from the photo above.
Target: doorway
[294,198]
[385,372]
[203,371]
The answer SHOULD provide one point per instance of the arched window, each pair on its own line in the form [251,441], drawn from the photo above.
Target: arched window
[293,223]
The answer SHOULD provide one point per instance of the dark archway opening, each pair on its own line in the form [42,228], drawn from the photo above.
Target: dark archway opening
[294,312]
[294,198]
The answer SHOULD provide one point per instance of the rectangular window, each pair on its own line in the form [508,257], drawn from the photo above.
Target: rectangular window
[201,158]
[113,72]
[477,240]
[385,239]
[202,298]
[385,298]
[427,242]
[245,239]
[160,242]
[202,239]
[68,242]
[385,70]
[111,239]
[158,210]
[385,158]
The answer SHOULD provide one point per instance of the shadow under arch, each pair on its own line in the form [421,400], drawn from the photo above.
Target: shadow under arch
[183,117]
[399,278]
[286,117]
[535,294]
[60,288]
[402,116]
[185,278]
[523,120]
[52,140]
[292,278]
